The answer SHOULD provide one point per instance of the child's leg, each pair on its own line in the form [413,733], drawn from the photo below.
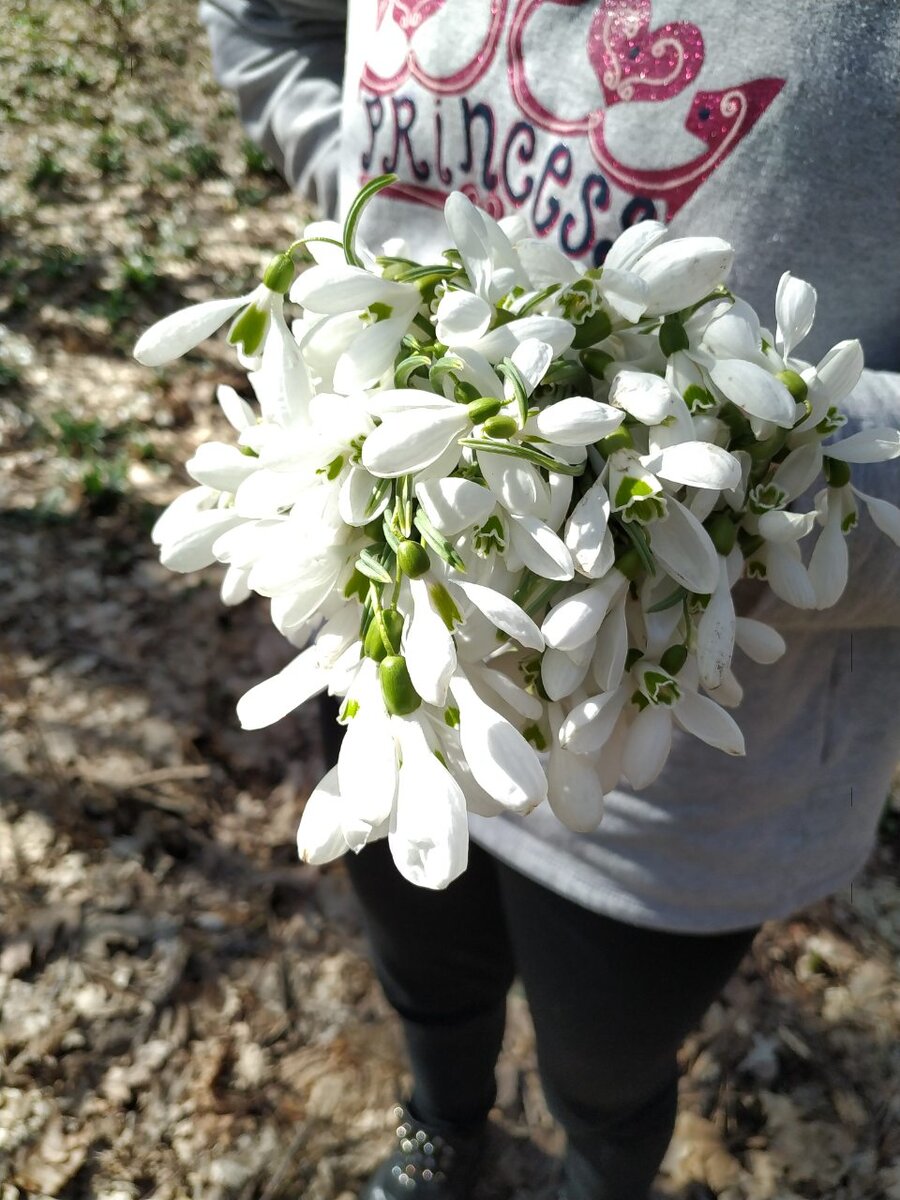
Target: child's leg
[444,961]
[611,1005]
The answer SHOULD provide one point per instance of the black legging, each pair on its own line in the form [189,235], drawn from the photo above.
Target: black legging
[611,1004]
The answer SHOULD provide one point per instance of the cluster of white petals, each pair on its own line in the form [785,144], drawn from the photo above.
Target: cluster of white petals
[500,504]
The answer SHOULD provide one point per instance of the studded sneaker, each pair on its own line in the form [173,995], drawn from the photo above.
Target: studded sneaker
[427,1166]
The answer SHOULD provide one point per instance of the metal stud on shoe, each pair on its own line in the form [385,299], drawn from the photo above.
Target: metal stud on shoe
[425,1165]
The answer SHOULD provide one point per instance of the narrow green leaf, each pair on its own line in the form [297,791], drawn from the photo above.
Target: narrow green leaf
[527,453]
[365,194]
[437,541]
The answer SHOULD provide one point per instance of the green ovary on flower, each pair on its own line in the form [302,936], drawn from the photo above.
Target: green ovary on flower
[400,697]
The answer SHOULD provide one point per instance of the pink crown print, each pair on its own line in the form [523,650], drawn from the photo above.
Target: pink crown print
[635,62]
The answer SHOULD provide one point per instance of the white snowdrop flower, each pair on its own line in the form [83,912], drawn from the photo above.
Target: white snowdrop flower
[429,832]
[646,397]
[384,308]
[189,528]
[499,757]
[502,612]
[269,701]
[885,516]
[320,837]
[760,642]
[829,563]
[682,271]
[795,310]
[574,792]
[867,446]
[575,620]
[684,549]
[367,769]
[716,632]
[781,565]
[611,652]
[588,536]
[564,671]
[590,723]
[647,746]
[695,464]
[174,335]
[755,391]
[577,421]
[428,647]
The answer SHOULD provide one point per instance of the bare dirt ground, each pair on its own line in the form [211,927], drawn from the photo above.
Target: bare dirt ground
[185,1011]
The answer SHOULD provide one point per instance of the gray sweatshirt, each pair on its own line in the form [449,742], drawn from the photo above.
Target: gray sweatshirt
[774,125]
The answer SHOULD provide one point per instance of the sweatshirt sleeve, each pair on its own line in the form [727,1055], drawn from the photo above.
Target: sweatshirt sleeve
[872,596]
[284,62]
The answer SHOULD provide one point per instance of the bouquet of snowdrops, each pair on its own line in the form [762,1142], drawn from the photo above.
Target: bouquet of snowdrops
[501,501]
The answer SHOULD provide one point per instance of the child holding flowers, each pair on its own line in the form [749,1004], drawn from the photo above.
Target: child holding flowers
[572,122]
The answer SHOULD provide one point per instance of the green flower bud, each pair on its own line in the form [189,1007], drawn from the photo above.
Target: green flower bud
[837,473]
[483,408]
[672,336]
[383,635]
[249,328]
[794,384]
[595,362]
[620,439]
[465,393]
[500,426]
[400,697]
[629,563]
[674,659]
[721,530]
[279,274]
[413,558]
[595,329]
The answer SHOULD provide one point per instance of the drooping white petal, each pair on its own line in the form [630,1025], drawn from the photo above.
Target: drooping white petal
[462,318]
[235,588]
[755,391]
[587,532]
[787,576]
[499,757]
[716,632]
[624,292]
[539,548]
[370,354]
[695,464]
[274,698]
[355,498]
[885,516]
[282,383]
[320,838]
[429,833]
[502,341]
[174,335]
[218,465]
[577,420]
[429,647]
[760,642]
[340,288]
[610,655]
[190,546]
[367,774]
[685,549]
[522,702]
[682,271]
[532,359]
[409,441]
[708,721]
[545,265]
[647,746]
[632,244]
[795,309]
[575,620]
[236,410]
[779,525]
[839,371]
[562,671]
[735,333]
[575,794]
[797,472]
[589,724]
[829,562]
[867,446]
[517,484]
[644,396]
[454,504]
[503,612]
